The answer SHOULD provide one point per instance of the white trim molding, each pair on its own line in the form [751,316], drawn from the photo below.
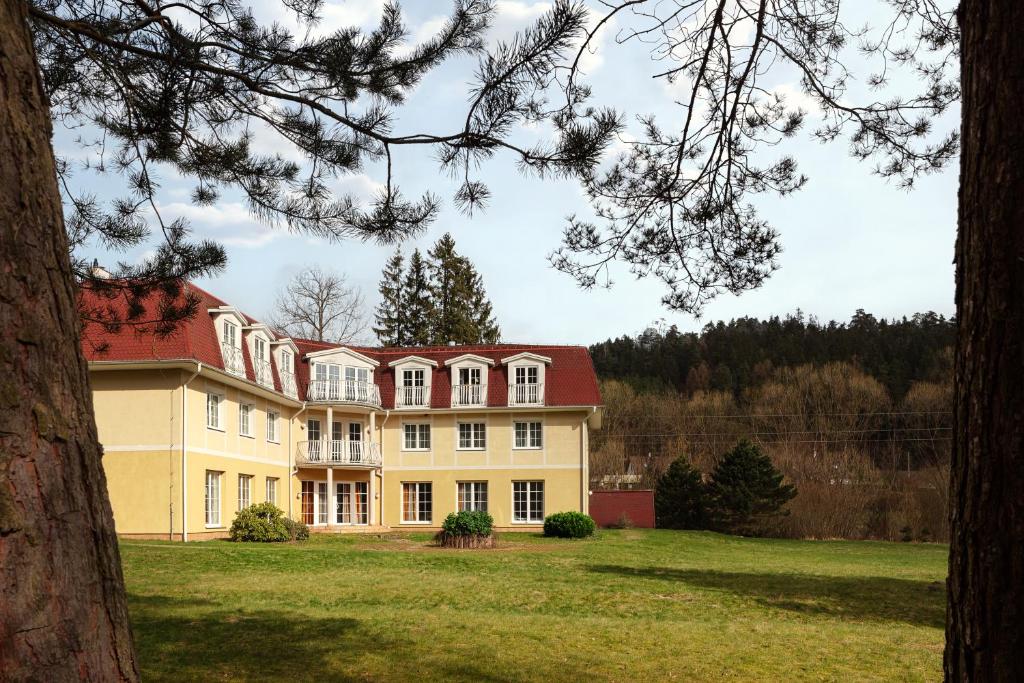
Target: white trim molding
[468,358]
[527,356]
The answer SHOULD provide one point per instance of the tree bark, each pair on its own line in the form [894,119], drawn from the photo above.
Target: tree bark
[985,619]
[63,613]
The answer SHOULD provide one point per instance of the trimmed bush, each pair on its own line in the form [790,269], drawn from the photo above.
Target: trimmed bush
[467,529]
[297,531]
[569,525]
[260,523]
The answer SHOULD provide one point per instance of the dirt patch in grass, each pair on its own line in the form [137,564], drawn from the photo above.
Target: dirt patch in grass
[399,543]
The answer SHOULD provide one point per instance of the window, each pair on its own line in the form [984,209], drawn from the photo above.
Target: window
[529,435]
[272,426]
[260,345]
[272,490]
[286,362]
[413,378]
[417,505]
[230,335]
[212,498]
[528,502]
[473,495]
[213,402]
[469,375]
[526,374]
[245,419]
[417,437]
[472,435]
[313,429]
[244,491]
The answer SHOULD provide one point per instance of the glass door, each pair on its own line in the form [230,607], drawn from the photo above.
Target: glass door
[361,500]
[321,500]
[343,503]
[308,517]
[337,445]
[355,441]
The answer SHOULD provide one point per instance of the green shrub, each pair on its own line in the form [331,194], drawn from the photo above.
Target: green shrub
[569,525]
[261,523]
[297,531]
[745,492]
[468,523]
[680,498]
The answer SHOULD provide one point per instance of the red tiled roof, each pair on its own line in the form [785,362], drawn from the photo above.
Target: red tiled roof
[569,380]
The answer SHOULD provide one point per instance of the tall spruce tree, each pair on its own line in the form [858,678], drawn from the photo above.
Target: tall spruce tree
[418,311]
[462,312]
[746,494]
[390,328]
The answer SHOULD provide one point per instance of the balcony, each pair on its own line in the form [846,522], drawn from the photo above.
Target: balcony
[469,395]
[288,384]
[343,391]
[233,361]
[526,394]
[346,453]
[412,397]
[264,375]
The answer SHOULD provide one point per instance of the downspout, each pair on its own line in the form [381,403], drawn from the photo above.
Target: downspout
[585,463]
[184,452]
[291,455]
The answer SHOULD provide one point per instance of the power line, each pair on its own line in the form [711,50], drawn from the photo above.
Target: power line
[778,432]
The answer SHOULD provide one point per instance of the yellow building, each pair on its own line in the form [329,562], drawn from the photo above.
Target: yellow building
[222,414]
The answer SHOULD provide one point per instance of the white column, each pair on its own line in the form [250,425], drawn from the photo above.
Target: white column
[332,505]
[370,495]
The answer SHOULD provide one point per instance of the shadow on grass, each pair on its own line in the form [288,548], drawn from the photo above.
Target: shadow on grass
[919,603]
[187,639]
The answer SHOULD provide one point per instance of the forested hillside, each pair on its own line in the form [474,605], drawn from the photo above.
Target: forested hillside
[745,352]
[857,415]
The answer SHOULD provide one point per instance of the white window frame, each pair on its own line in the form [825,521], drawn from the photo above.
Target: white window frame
[272,417]
[245,426]
[530,444]
[244,491]
[471,495]
[475,443]
[418,439]
[416,504]
[212,499]
[270,490]
[218,411]
[531,490]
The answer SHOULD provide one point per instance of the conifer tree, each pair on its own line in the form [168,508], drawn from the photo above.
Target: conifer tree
[746,493]
[462,312]
[680,498]
[482,311]
[418,312]
[390,328]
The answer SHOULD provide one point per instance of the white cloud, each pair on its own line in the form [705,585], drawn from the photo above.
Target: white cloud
[360,186]
[230,223]
[794,96]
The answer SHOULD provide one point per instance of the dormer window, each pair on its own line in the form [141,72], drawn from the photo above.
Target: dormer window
[469,389]
[230,348]
[526,378]
[413,390]
[261,362]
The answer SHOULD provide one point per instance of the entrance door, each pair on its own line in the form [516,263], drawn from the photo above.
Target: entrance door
[343,503]
[307,503]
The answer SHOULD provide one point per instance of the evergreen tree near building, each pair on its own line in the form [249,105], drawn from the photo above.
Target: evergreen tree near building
[418,314]
[390,328]
[461,311]
[486,325]
[680,499]
[745,492]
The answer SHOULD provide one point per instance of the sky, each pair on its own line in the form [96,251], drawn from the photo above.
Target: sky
[851,240]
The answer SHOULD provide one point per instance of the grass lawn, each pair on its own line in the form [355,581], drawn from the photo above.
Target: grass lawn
[626,605]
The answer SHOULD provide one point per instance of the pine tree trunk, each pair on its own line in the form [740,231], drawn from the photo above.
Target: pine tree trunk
[63,614]
[985,622]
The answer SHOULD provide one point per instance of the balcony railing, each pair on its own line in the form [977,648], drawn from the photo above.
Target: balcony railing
[288,384]
[412,397]
[346,452]
[526,394]
[233,361]
[469,395]
[343,391]
[263,374]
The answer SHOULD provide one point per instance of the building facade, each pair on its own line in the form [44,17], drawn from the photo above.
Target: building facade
[223,413]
